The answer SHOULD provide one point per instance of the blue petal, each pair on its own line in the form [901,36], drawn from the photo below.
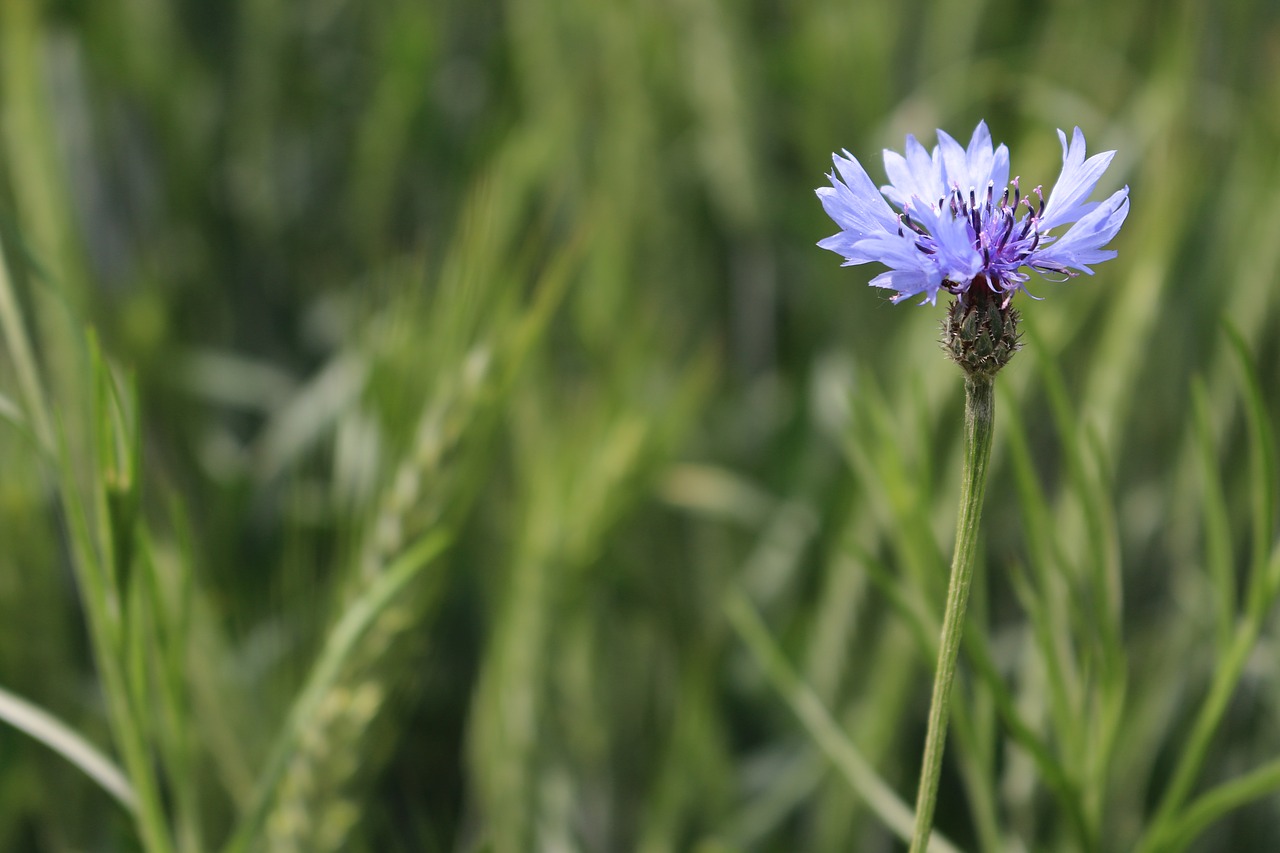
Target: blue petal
[1000,168]
[911,271]
[842,244]
[908,283]
[917,175]
[1075,184]
[955,164]
[856,206]
[899,252]
[980,157]
[955,255]
[974,167]
[1083,243]
[855,213]
[986,167]
[859,183]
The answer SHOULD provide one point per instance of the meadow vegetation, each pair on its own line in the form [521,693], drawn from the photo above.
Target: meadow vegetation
[431,426]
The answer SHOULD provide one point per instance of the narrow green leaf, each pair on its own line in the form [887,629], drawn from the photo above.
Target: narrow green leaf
[1219,562]
[1262,473]
[1216,803]
[1048,603]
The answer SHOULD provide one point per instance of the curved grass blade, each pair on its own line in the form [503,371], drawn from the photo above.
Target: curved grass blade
[58,736]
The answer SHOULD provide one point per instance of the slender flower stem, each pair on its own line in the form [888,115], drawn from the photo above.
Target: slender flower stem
[979,412]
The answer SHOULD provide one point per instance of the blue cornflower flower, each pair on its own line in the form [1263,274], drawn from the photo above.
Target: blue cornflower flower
[958,222]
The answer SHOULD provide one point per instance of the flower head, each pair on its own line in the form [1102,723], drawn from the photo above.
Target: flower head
[952,220]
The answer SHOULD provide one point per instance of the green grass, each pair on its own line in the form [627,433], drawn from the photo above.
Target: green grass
[432,427]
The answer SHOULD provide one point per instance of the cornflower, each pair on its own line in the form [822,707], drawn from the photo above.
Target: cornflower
[951,220]
[958,224]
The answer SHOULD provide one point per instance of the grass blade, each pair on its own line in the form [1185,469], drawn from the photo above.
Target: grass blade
[58,736]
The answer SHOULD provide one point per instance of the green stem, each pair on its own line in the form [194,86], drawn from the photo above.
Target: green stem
[1226,797]
[1226,677]
[979,412]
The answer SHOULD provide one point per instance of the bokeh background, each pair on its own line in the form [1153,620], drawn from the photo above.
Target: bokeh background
[539,277]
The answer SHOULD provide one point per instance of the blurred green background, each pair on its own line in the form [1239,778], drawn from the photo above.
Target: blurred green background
[540,278]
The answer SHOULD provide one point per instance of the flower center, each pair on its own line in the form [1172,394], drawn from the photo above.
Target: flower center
[1002,239]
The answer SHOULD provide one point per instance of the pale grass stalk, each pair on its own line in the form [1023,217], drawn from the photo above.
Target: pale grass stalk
[55,734]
